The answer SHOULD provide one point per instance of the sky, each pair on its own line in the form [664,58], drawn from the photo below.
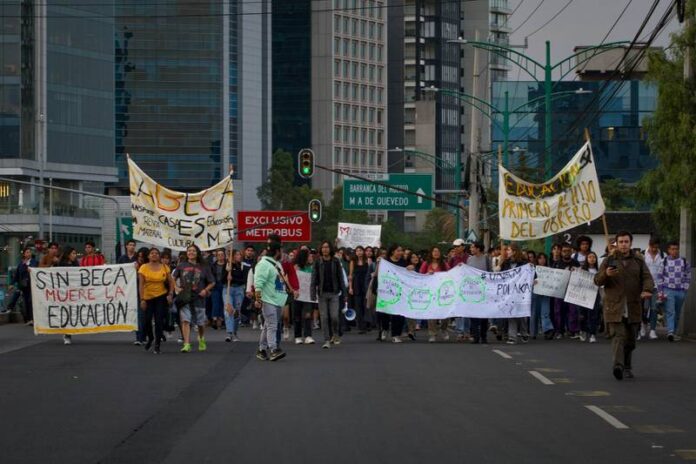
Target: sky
[583,22]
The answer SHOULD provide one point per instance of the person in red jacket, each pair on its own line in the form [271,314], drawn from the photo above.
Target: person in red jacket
[91,257]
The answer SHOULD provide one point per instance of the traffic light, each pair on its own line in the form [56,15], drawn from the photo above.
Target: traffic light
[315,210]
[305,163]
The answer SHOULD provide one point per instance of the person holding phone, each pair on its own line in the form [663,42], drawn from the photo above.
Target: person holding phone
[626,280]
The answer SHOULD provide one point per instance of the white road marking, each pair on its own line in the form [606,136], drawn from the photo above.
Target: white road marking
[613,421]
[541,378]
[502,354]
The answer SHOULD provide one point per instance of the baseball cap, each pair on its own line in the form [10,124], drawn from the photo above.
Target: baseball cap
[458,242]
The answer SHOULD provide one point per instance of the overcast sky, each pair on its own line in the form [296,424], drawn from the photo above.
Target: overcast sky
[583,22]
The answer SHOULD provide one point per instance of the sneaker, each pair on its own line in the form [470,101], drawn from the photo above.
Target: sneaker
[186,348]
[618,372]
[277,354]
[336,340]
[653,335]
[558,336]
[67,340]
[178,340]
[628,373]
[235,338]
[397,340]
[670,337]
[510,341]
[384,335]
[255,326]
[642,330]
[525,338]
[261,355]
[639,337]
[157,349]
[582,336]
[326,345]
[677,338]
[575,336]
[309,341]
[432,339]
[202,345]
[286,333]
[228,339]
[148,345]
[412,337]
[593,339]
[298,340]
[494,329]
[137,343]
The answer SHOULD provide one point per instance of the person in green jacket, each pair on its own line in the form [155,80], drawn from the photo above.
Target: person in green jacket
[271,295]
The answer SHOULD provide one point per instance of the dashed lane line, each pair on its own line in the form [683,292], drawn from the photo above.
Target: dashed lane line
[611,420]
[502,354]
[541,378]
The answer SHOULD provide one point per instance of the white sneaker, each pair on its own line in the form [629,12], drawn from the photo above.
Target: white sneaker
[397,340]
[593,339]
[336,340]
[326,345]
[67,340]
[677,338]
[432,339]
[653,335]
[286,333]
[298,340]
[384,335]
[255,325]
[642,330]
[582,336]
[639,336]
[309,341]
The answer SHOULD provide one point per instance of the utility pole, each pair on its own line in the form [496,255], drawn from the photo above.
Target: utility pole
[40,138]
[474,206]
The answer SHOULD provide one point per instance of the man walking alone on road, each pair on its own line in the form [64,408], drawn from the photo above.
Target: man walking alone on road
[626,280]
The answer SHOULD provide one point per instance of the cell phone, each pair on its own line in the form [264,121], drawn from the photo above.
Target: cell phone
[611,263]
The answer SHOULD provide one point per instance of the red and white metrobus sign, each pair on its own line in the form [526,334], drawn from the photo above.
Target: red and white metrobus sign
[256,226]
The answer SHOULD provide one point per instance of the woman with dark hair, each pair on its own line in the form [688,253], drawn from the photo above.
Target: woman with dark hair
[515,258]
[68,258]
[358,275]
[302,310]
[541,307]
[22,282]
[194,281]
[328,287]
[233,294]
[155,287]
[590,316]
[394,255]
[218,268]
[435,262]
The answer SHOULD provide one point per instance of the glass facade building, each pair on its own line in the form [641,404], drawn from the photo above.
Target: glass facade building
[613,113]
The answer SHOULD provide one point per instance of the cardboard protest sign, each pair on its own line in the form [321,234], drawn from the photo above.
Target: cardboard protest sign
[460,292]
[582,290]
[85,300]
[551,282]
[352,235]
[531,211]
[176,220]
[305,279]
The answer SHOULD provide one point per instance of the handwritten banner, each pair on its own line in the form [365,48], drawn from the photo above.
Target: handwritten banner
[582,290]
[176,220]
[460,292]
[571,198]
[551,282]
[352,235]
[305,279]
[84,300]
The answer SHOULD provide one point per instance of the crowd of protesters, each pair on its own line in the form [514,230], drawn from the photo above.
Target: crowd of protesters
[193,291]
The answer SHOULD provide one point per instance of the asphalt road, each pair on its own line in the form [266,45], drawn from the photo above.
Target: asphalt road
[103,400]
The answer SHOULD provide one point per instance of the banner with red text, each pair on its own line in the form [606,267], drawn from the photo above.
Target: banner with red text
[530,211]
[84,300]
[290,226]
[175,220]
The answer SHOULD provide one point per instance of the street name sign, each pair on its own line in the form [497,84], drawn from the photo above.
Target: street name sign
[363,195]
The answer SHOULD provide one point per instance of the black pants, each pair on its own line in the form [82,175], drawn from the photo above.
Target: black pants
[28,308]
[359,307]
[157,308]
[302,318]
[397,325]
[479,328]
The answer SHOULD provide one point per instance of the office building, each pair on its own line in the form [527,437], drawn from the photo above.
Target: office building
[56,123]
[193,93]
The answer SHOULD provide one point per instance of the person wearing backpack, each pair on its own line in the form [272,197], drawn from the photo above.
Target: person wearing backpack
[271,295]
[673,283]
[654,259]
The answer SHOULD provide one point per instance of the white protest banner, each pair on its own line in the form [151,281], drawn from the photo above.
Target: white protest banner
[460,292]
[352,235]
[305,279]
[85,300]
[530,211]
[551,282]
[176,220]
[582,290]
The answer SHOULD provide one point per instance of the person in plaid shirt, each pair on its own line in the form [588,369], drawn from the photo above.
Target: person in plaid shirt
[673,283]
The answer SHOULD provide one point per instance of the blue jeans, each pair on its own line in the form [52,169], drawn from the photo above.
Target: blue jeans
[234,296]
[673,307]
[541,312]
[462,325]
[650,310]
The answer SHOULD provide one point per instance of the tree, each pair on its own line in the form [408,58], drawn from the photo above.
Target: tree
[618,196]
[279,192]
[671,134]
[440,226]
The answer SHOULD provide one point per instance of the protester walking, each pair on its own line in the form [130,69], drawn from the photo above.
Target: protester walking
[156,288]
[479,260]
[233,295]
[565,314]
[394,255]
[673,283]
[626,280]
[302,310]
[328,288]
[358,279]
[541,308]
[654,259]
[435,262]
[194,281]
[270,295]
[22,282]
[218,269]
[590,316]
[516,325]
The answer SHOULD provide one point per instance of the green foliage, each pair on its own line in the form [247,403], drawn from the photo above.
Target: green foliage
[671,135]
[279,192]
[327,228]
[618,196]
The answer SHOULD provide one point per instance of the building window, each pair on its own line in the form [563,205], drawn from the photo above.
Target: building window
[337,68]
[363,70]
[354,70]
[379,116]
[337,45]
[337,111]
[372,30]
[371,159]
[363,136]
[379,137]
[354,116]
[363,28]
[355,158]
[372,94]
[379,158]
[363,50]
[337,133]
[337,156]
[346,155]
[372,116]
